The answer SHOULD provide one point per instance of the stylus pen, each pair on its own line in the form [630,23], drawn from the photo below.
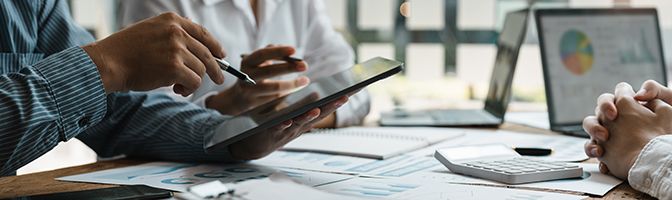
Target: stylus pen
[233,71]
[286,58]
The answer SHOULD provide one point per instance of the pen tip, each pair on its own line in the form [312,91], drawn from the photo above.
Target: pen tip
[250,81]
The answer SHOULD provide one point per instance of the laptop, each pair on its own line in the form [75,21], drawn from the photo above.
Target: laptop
[499,92]
[586,52]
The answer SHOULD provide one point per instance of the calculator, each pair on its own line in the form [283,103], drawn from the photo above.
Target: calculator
[501,163]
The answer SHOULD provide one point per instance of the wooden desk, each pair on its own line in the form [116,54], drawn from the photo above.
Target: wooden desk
[44,183]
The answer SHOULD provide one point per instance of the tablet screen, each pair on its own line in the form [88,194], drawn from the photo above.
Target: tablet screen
[317,93]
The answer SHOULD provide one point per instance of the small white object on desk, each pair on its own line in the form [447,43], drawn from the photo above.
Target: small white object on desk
[277,187]
[209,190]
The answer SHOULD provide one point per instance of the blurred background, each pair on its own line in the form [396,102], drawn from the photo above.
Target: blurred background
[448,47]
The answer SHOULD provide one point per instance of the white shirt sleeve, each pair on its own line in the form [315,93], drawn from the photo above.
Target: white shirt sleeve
[328,53]
[652,171]
[132,11]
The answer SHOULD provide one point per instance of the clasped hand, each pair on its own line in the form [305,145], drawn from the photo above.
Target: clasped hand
[624,122]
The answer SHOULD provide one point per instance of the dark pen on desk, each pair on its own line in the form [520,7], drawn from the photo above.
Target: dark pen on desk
[226,66]
[532,151]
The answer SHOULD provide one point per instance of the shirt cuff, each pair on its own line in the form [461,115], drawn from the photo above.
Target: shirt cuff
[76,87]
[651,171]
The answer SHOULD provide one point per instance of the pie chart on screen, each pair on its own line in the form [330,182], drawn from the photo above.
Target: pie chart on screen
[576,52]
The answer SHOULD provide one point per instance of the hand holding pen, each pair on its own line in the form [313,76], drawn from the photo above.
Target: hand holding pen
[226,66]
[261,65]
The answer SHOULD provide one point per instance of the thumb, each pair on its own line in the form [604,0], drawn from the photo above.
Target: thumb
[624,89]
[651,90]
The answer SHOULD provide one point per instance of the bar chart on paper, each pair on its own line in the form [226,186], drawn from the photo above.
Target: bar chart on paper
[378,189]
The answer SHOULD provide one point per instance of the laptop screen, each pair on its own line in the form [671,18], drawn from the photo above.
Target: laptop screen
[508,45]
[586,52]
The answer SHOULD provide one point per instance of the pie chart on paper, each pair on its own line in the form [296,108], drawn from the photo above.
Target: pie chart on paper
[576,52]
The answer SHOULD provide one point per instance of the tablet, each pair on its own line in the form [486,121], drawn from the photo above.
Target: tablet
[318,93]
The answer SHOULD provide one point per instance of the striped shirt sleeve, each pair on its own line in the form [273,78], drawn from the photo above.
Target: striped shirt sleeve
[43,100]
[50,101]
[154,125]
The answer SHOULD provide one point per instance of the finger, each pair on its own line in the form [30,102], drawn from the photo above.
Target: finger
[658,106]
[274,87]
[205,57]
[596,131]
[290,134]
[625,98]
[328,109]
[603,168]
[269,71]
[261,55]
[193,63]
[624,89]
[279,132]
[593,150]
[653,90]
[282,126]
[332,106]
[201,34]
[188,81]
[306,117]
[606,107]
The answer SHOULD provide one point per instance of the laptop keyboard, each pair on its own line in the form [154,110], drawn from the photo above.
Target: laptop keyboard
[463,116]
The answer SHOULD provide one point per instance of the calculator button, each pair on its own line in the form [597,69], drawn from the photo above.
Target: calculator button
[514,171]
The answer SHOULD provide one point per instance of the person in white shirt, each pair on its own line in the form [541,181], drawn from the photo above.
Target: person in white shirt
[243,26]
[630,135]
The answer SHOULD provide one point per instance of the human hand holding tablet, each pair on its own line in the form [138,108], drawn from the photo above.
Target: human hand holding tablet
[259,145]
[327,93]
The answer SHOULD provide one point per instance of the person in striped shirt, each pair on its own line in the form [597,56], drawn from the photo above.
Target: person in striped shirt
[56,83]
